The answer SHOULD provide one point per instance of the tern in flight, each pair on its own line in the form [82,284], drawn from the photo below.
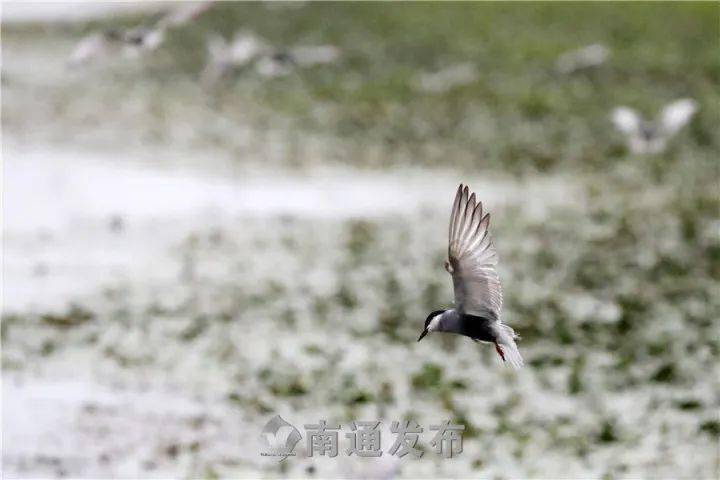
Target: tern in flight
[133,42]
[478,295]
[652,136]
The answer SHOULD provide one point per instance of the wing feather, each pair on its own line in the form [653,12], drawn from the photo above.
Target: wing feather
[460,214]
[473,223]
[472,257]
[467,220]
[453,213]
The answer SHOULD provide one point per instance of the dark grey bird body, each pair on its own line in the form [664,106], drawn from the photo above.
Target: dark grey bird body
[137,36]
[649,131]
[479,328]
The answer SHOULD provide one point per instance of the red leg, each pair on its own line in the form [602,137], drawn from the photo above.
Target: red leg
[500,352]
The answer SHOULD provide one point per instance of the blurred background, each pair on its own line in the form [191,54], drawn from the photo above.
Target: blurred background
[215,213]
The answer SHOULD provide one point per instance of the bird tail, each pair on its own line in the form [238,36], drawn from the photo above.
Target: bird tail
[506,347]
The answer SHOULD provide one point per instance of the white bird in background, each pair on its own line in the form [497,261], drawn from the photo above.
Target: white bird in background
[277,64]
[227,56]
[478,294]
[282,61]
[652,137]
[583,58]
[133,42]
[245,48]
[96,45]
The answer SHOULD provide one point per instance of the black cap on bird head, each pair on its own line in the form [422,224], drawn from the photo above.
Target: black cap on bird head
[427,322]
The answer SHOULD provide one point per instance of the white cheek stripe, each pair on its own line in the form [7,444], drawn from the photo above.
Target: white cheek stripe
[434,323]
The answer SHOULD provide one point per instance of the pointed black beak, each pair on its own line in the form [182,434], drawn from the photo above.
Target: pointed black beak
[422,335]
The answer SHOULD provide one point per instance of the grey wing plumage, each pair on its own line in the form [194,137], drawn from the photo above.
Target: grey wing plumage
[472,258]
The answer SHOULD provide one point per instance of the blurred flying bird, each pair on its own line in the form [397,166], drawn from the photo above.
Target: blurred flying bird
[478,294]
[652,136]
[583,58]
[113,43]
[245,48]
[283,61]
[275,64]
[142,39]
[135,41]
[97,45]
[227,56]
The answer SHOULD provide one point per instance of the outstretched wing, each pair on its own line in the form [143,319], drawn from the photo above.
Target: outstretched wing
[626,120]
[472,258]
[677,114]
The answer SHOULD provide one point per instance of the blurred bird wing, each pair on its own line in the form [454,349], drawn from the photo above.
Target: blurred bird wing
[183,14]
[246,47]
[153,39]
[472,258]
[626,120]
[677,114]
[89,48]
